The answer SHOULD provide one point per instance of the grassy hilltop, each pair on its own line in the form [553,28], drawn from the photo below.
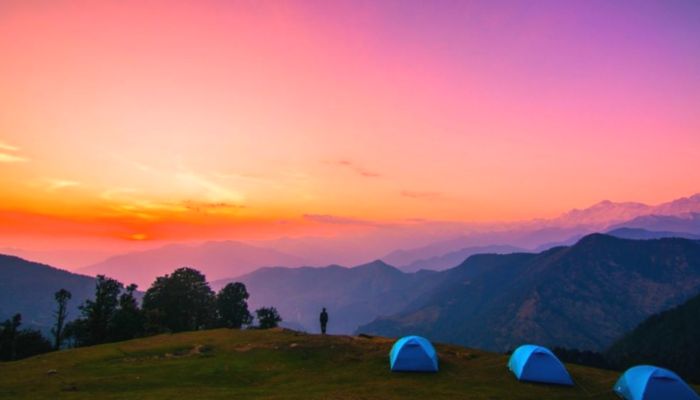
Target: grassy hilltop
[275,364]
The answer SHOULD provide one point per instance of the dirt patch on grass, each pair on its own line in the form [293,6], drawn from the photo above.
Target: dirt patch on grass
[253,346]
[196,350]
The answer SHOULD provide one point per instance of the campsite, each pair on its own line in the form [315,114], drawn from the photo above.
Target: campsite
[276,364]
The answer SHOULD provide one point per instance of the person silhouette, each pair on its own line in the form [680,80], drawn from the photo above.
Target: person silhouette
[324,320]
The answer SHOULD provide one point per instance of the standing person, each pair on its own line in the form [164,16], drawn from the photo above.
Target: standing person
[324,320]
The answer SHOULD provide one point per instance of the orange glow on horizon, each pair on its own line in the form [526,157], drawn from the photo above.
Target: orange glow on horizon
[138,236]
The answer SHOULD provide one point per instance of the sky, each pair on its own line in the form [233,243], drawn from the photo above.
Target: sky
[125,122]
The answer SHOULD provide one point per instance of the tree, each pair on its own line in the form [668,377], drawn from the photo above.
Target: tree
[179,302]
[16,344]
[62,297]
[76,333]
[30,342]
[127,322]
[268,317]
[8,337]
[232,306]
[98,313]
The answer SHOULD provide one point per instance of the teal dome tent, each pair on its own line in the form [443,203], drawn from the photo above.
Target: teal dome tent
[413,353]
[646,382]
[538,364]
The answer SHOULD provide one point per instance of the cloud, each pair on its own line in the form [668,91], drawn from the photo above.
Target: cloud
[414,194]
[212,190]
[199,206]
[362,171]
[337,220]
[7,156]
[56,184]
[117,193]
[12,158]
[8,147]
[133,202]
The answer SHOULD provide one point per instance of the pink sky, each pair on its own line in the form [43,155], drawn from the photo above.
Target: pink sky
[185,120]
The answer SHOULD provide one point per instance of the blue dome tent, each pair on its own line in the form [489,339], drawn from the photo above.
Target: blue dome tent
[646,382]
[413,353]
[538,364]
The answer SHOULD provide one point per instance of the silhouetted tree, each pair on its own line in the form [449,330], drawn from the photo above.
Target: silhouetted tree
[8,337]
[128,320]
[98,313]
[61,313]
[30,342]
[76,333]
[16,344]
[180,301]
[268,317]
[232,306]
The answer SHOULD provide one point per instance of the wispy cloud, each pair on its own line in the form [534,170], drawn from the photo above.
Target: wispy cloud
[116,193]
[8,147]
[7,154]
[131,201]
[416,194]
[212,190]
[337,220]
[199,206]
[360,170]
[12,158]
[57,184]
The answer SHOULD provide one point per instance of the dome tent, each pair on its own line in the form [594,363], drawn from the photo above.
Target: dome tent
[413,353]
[646,382]
[538,364]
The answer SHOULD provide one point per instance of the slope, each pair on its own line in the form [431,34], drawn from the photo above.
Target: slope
[28,288]
[277,364]
[453,258]
[353,296]
[584,296]
[668,339]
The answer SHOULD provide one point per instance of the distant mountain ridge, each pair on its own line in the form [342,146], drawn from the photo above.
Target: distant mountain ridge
[681,215]
[217,260]
[643,234]
[584,296]
[606,213]
[683,223]
[453,258]
[353,296]
[28,288]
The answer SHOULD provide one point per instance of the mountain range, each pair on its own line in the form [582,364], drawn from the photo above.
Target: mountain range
[450,259]
[354,296]
[217,260]
[606,213]
[680,216]
[584,296]
[409,245]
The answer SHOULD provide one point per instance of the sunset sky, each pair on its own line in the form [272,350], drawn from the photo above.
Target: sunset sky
[130,121]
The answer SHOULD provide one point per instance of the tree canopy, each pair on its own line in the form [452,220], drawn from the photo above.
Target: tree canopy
[268,317]
[181,301]
[232,306]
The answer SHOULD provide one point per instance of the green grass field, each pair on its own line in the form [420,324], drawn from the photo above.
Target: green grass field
[275,364]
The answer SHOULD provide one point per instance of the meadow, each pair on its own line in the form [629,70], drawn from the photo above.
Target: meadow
[274,364]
